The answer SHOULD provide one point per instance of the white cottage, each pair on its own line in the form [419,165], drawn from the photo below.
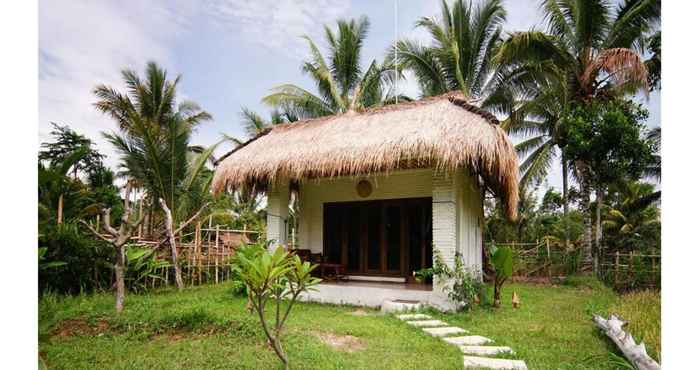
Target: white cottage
[378,190]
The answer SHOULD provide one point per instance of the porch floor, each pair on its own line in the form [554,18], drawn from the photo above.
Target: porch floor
[367,293]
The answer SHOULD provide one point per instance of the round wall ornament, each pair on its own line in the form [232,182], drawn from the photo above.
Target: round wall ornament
[364,188]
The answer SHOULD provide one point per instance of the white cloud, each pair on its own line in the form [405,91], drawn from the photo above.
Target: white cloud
[83,43]
[277,25]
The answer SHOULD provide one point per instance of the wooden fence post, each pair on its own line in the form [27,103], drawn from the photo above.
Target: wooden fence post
[617,266]
[216,257]
[549,260]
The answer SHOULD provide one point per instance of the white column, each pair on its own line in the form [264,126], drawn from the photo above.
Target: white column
[445,228]
[277,214]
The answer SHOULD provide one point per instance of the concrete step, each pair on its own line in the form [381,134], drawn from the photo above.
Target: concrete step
[444,331]
[469,340]
[392,306]
[485,350]
[416,316]
[427,323]
[472,362]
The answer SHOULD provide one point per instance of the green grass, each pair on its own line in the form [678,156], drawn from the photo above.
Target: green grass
[206,327]
[642,311]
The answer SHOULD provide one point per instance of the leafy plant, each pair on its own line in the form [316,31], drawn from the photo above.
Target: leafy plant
[461,284]
[502,260]
[276,276]
[423,275]
[43,265]
[142,264]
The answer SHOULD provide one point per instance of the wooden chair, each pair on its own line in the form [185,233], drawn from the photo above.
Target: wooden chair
[337,269]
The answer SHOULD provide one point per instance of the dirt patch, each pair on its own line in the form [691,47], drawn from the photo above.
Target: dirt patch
[76,327]
[359,312]
[344,343]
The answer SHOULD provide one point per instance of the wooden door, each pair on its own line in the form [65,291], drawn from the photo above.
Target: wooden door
[384,237]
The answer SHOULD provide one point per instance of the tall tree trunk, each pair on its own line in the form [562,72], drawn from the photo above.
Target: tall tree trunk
[173,246]
[59,216]
[119,276]
[565,197]
[587,223]
[598,228]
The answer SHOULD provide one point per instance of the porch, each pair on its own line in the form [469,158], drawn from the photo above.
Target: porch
[368,293]
[378,230]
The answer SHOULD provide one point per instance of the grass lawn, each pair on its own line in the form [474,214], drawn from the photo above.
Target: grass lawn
[206,327]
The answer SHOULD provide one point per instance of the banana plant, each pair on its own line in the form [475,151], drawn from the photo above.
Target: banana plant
[502,260]
[47,265]
[142,264]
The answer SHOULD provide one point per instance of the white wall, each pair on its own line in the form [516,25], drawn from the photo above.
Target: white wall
[457,207]
[470,221]
[277,214]
[399,184]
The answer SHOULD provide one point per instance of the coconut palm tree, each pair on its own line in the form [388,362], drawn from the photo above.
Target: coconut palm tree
[464,40]
[154,141]
[632,214]
[591,50]
[254,124]
[341,83]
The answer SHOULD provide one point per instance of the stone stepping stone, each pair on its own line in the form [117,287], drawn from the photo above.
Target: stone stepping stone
[417,316]
[485,350]
[471,362]
[427,323]
[470,340]
[444,331]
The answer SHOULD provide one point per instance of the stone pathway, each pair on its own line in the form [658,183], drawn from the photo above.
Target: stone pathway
[471,345]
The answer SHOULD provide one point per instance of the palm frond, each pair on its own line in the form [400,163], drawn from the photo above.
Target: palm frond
[534,168]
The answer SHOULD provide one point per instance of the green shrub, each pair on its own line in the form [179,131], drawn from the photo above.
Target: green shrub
[85,264]
[465,287]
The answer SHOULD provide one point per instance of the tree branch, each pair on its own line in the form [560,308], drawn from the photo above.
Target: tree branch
[107,222]
[96,232]
[184,225]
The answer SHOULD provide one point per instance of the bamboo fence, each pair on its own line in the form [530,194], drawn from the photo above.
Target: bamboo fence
[622,271]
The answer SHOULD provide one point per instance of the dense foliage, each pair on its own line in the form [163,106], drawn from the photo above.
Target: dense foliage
[73,185]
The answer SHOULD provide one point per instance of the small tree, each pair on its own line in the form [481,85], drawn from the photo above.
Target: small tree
[606,142]
[502,260]
[276,276]
[118,238]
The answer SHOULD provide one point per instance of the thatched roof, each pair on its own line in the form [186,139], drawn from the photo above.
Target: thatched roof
[444,131]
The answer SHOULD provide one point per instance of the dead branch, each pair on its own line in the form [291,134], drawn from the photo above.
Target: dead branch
[95,232]
[635,353]
[182,226]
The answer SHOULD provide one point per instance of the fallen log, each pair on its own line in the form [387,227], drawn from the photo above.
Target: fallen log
[635,353]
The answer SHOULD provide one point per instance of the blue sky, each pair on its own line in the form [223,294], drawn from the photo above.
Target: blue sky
[229,52]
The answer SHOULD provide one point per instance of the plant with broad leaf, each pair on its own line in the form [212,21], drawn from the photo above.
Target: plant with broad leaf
[43,265]
[502,260]
[276,276]
[142,264]
[462,285]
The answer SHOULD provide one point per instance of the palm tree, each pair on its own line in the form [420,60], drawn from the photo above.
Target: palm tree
[464,41]
[632,213]
[591,50]
[154,141]
[254,124]
[342,85]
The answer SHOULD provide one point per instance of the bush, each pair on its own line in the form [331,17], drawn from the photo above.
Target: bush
[642,311]
[87,262]
[465,288]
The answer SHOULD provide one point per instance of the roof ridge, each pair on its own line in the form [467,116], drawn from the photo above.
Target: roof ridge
[455,97]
